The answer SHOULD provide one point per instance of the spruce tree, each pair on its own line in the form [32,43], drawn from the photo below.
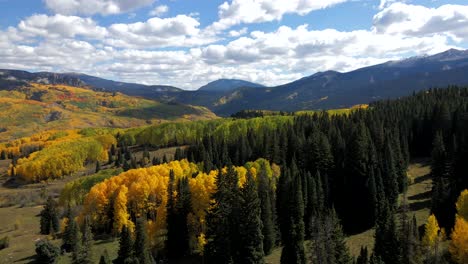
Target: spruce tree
[68,236]
[141,246]
[183,207]
[126,250]
[387,244]
[340,250]
[223,219]
[49,218]
[266,208]
[171,218]
[251,238]
[293,240]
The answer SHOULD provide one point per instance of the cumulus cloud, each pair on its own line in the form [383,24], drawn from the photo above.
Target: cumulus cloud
[176,31]
[91,7]
[159,10]
[238,33]
[414,20]
[256,11]
[300,42]
[61,26]
[178,51]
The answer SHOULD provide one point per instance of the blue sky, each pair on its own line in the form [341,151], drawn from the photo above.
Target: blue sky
[188,43]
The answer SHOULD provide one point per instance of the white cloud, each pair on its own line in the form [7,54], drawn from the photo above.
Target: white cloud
[413,20]
[179,31]
[61,26]
[238,33]
[159,10]
[136,52]
[257,11]
[91,7]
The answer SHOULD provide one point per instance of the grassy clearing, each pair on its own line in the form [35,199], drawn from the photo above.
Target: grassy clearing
[22,226]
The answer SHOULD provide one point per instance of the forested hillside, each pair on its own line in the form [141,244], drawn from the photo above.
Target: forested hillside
[37,107]
[239,189]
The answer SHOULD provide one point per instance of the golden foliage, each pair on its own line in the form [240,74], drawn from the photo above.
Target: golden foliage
[63,158]
[459,244]
[431,234]
[462,204]
[143,192]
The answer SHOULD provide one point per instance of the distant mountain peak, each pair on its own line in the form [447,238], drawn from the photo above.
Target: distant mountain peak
[223,85]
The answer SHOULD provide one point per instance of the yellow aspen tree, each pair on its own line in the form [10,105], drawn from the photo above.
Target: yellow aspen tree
[462,205]
[431,234]
[121,216]
[459,244]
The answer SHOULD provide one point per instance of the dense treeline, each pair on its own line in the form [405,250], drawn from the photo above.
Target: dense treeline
[354,164]
[337,175]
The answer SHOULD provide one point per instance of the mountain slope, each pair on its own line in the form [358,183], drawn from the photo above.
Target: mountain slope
[37,107]
[223,85]
[323,90]
[332,89]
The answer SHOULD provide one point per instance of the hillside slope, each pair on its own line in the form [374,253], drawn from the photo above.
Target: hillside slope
[223,85]
[37,107]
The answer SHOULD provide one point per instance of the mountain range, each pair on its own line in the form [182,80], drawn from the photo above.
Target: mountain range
[323,90]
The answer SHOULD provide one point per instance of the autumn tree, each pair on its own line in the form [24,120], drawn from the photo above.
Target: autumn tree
[432,238]
[459,244]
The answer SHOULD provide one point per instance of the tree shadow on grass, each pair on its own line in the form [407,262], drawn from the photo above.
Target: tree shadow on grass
[30,259]
[420,205]
[421,196]
[422,178]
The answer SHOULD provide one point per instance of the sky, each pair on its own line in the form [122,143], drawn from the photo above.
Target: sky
[188,43]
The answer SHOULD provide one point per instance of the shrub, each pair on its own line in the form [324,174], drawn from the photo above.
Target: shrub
[4,242]
[46,252]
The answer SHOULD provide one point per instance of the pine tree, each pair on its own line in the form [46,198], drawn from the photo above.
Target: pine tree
[171,218]
[340,249]
[267,214]
[387,246]
[183,208]
[78,245]
[68,236]
[82,252]
[142,252]
[251,238]
[126,252]
[293,240]
[222,220]
[49,218]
